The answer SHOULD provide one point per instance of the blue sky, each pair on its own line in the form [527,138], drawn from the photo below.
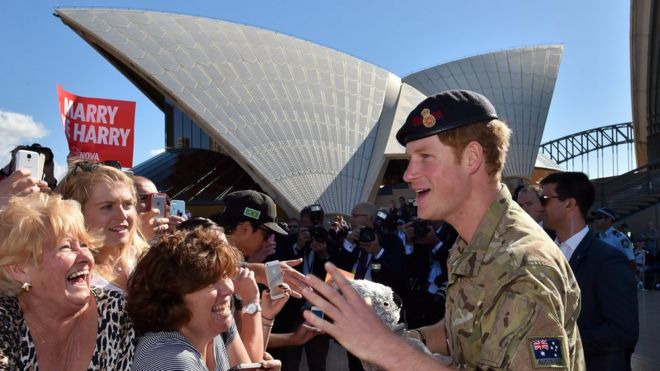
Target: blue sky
[593,87]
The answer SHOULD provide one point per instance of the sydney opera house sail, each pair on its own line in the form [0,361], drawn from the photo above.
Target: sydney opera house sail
[308,123]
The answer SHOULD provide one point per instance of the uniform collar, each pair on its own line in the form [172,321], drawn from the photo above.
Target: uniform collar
[470,256]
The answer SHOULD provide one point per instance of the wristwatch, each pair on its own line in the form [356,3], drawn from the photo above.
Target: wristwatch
[251,308]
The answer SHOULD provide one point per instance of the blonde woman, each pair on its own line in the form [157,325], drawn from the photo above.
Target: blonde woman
[51,317]
[108,200]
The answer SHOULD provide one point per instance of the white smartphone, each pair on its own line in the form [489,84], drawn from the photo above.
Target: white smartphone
[178,208]
[246,367]
[275,279]
[29,160]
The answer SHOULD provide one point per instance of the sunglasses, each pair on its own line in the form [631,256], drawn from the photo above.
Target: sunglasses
[92,166]
[268,231]
[545,199]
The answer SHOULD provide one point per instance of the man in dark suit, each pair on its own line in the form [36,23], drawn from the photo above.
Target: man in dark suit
[608,320]
[372,256]
[311,244]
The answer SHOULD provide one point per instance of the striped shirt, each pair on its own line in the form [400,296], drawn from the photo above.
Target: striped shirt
[169,350]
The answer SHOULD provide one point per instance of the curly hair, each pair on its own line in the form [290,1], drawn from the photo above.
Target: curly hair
[178,264]
[29,223]
[493,138]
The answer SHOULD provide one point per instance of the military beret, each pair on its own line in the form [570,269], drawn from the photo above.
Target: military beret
[448,110]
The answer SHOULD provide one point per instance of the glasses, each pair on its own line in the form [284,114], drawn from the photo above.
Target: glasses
[545,199]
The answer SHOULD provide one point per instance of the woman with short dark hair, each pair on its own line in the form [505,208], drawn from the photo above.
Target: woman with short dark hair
[179,297]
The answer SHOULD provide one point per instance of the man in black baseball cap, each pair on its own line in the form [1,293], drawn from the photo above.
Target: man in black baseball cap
[249,218]
[511,295]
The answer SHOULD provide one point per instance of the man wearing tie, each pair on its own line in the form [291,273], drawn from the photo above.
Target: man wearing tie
[373,257]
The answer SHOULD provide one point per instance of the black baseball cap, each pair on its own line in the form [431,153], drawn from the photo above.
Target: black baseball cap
[448,110]
[253,205]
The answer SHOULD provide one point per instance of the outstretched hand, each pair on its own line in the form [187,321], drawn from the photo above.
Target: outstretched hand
[355,325]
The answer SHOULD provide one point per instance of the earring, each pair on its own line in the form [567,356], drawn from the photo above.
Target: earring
[26,286]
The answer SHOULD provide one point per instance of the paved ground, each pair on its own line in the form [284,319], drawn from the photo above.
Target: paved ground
[647,352]
[646,357]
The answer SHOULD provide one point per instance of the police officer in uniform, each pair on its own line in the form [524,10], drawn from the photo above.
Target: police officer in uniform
[512,299]
[603,220]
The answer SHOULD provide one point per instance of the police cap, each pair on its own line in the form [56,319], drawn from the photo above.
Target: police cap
[448,110]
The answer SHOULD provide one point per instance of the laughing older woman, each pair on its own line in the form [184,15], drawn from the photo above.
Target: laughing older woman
[51,318]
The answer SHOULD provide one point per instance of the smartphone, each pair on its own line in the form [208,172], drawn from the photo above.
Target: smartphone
[275,279]
[178,208]
[317,311]
[158,201]
[246,366]
[29,160]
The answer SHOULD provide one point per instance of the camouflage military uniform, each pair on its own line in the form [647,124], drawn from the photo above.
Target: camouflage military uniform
[512,299]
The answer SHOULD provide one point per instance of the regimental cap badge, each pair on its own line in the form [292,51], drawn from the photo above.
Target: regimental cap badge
[428,120]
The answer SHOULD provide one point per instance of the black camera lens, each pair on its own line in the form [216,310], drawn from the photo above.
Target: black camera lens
[367,234]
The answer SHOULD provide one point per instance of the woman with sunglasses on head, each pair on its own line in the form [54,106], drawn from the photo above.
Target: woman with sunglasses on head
[108,200]
[51,318]
[180,299]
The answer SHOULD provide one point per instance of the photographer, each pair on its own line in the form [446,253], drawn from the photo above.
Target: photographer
[313,245]
[427,263]
[372,256]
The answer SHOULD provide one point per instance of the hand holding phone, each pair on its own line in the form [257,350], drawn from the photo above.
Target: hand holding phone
[31,161]
[275,279]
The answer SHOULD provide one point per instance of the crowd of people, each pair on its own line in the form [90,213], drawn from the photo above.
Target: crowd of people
[92,277]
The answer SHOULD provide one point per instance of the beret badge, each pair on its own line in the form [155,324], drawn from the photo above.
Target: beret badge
[427,118]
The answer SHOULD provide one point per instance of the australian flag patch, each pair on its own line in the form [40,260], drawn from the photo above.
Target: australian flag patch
[547,352]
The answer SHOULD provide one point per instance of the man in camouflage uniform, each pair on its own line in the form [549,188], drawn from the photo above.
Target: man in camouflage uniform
[512,300]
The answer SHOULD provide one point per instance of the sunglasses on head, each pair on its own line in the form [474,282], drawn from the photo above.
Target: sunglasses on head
[92,166]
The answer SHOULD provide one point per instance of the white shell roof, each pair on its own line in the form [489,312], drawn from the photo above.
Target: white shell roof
[308,123]
[519,83]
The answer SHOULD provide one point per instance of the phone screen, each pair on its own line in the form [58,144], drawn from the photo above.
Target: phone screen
[275,279]
[178,208]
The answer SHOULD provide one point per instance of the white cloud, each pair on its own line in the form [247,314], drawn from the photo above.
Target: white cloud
[157,151]
[15,129]
[59,171]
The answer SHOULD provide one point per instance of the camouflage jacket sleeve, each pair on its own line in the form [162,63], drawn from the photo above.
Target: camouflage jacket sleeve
[527,327]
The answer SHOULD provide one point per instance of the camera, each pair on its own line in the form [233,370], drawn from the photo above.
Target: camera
[316,214]
[319,234]
[367,234]
[421,228]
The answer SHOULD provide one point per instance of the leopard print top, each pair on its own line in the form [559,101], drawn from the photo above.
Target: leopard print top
[115,340]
